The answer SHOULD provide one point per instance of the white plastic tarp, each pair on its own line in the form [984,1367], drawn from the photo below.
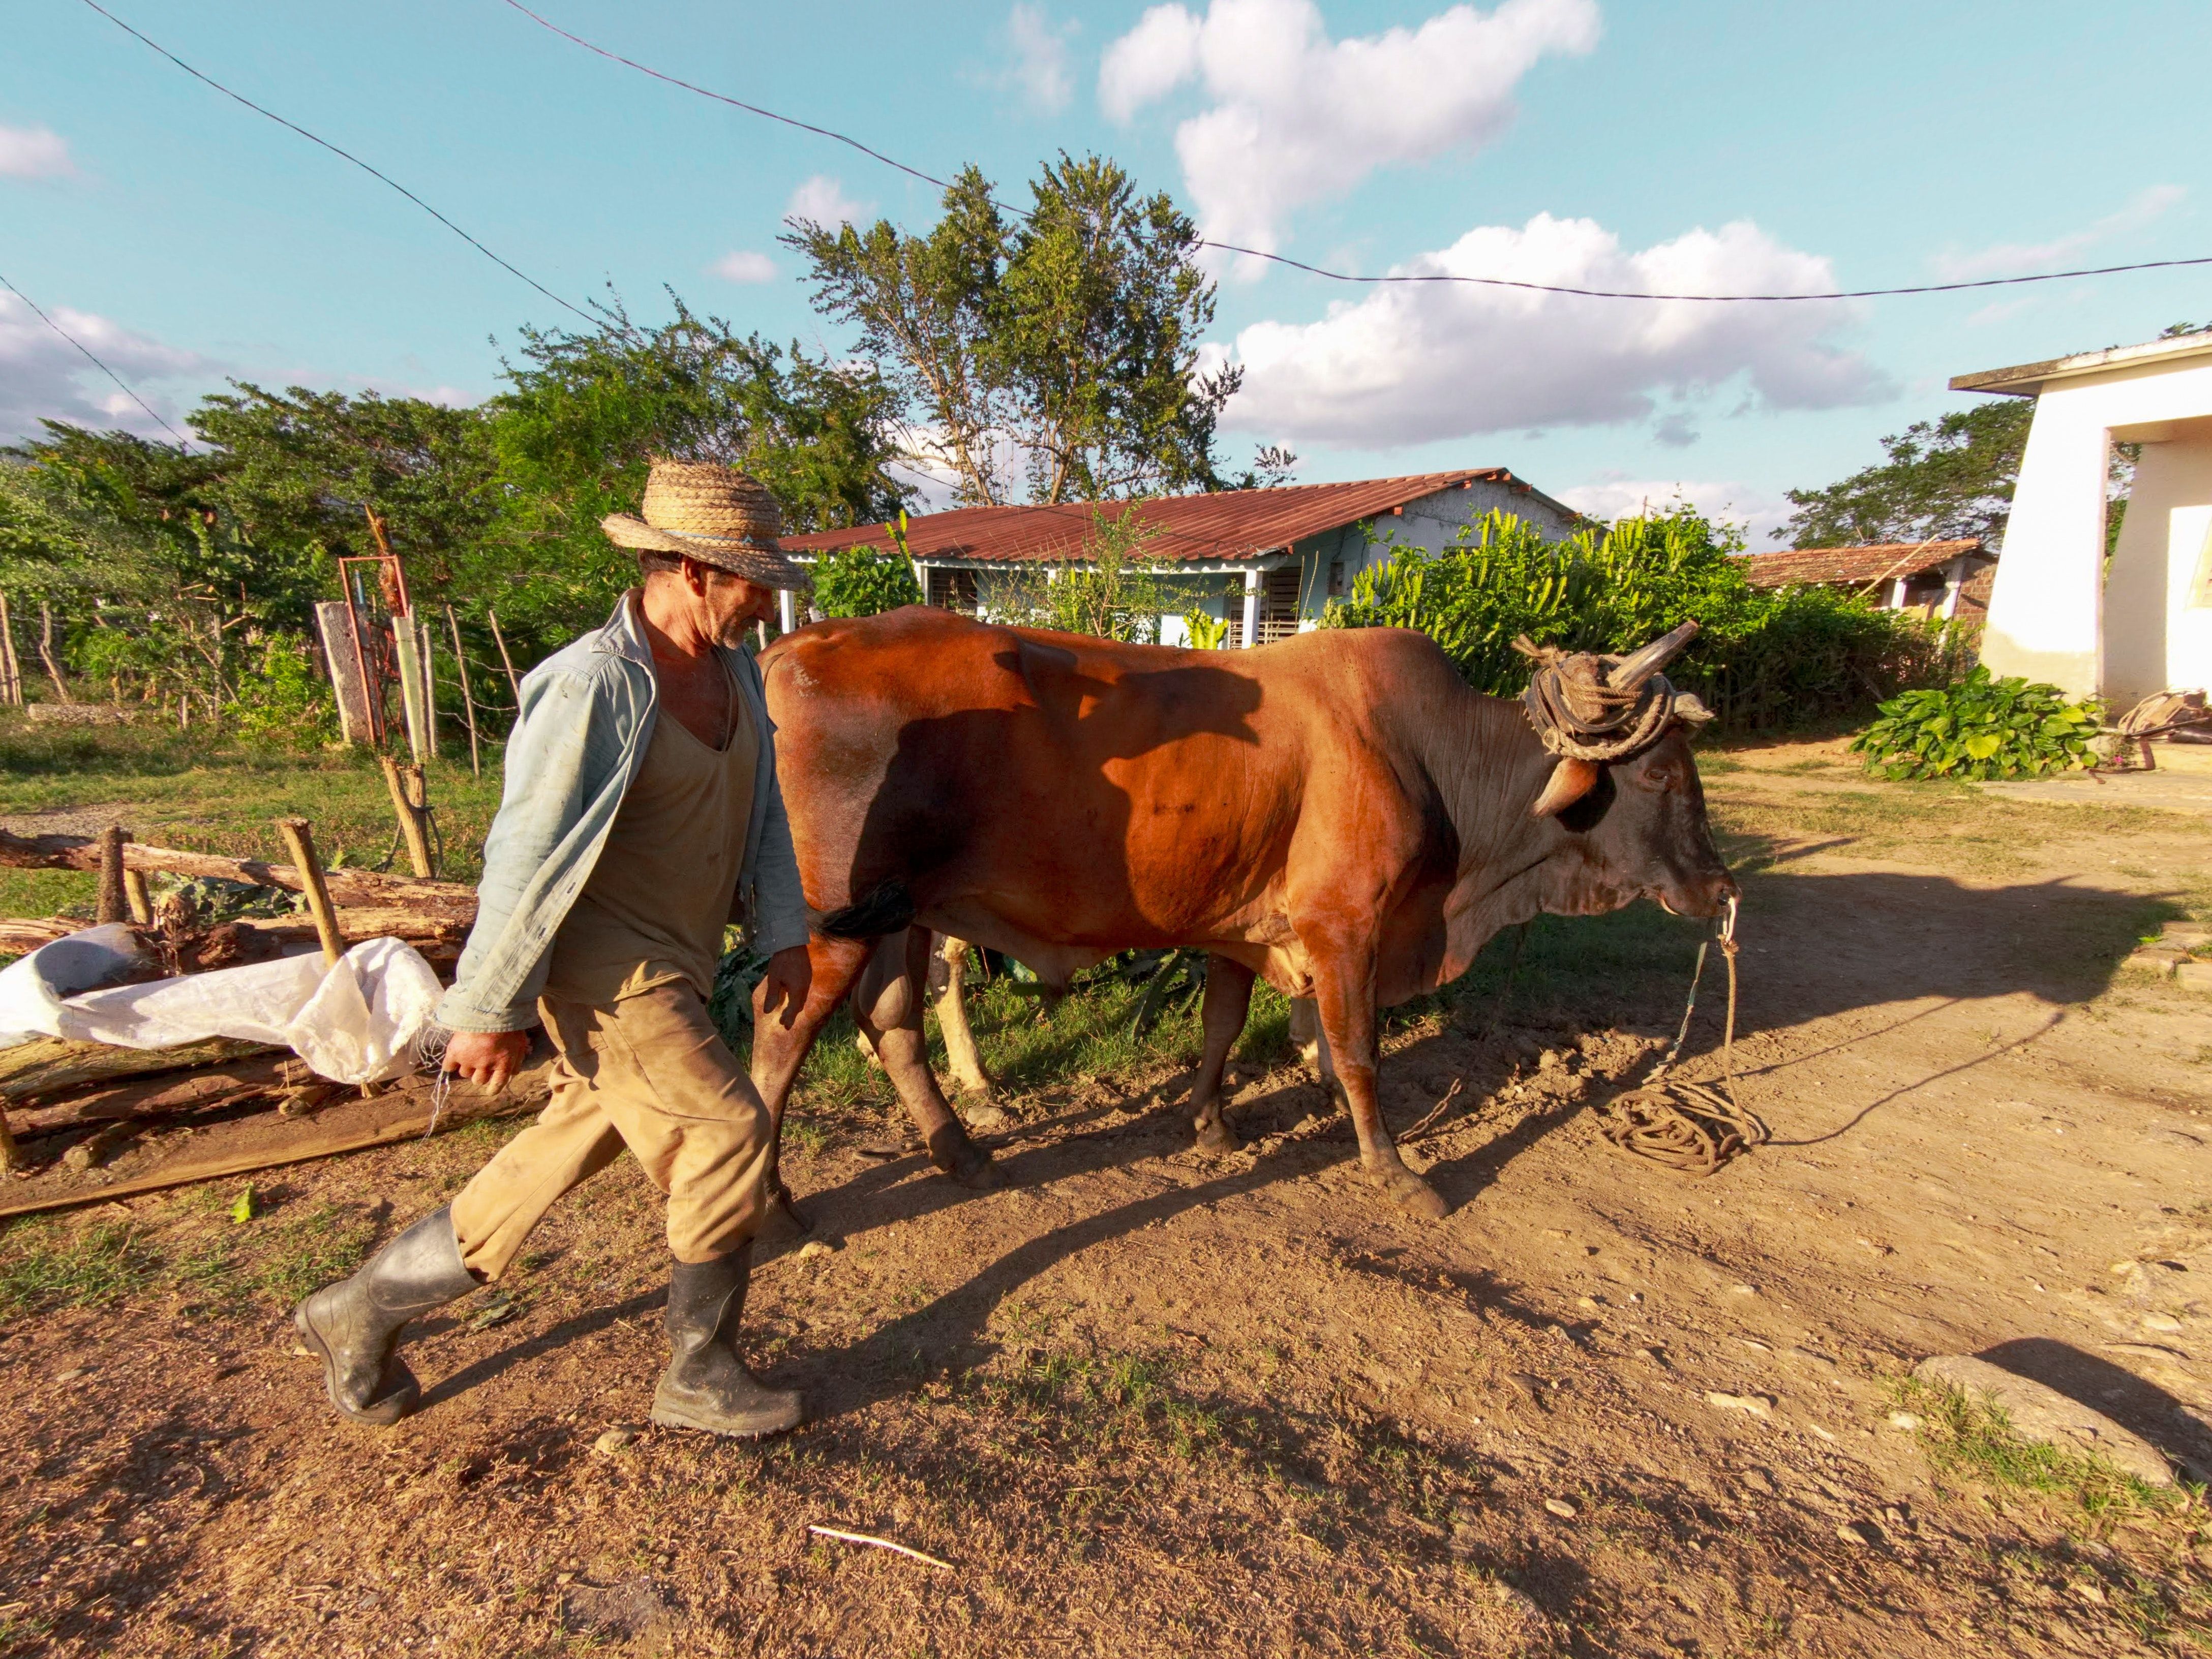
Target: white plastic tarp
[356,1022]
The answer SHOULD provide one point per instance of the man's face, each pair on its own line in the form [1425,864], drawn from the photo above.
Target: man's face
[728,604]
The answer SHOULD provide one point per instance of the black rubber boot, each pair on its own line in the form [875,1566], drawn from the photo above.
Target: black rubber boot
[706,1385]
[355,1324]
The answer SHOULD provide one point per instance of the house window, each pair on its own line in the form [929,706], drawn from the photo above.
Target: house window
[1279,603]
[953,590]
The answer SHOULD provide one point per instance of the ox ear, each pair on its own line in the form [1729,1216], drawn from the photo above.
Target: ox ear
[1571,778]
[1689,708]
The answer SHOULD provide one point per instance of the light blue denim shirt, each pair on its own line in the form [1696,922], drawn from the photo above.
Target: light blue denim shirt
[586,718]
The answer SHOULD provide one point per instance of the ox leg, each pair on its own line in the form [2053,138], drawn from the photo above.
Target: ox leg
[887,1004]
[961,1057]
[1228,1001]
[1345,998]
[1313,1047]
[779,1050]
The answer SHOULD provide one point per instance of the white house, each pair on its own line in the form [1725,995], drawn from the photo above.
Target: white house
[1267,561]
[2055,612]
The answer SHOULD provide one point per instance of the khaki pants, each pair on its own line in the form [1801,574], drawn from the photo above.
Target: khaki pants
[650,1073]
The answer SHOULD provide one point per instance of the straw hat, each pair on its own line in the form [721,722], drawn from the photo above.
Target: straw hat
[711,513]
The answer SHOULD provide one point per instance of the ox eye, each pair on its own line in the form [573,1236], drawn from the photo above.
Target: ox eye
[1660,777]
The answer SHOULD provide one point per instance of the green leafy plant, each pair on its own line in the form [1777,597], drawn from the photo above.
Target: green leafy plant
[1980,728]
[860,581]
[1206,633]
[1765,662]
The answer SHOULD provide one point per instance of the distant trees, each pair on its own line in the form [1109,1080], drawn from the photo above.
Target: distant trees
[177,573]
[1944,479]
[1064,344]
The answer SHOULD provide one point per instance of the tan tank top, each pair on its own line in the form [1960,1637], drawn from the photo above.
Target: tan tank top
[653,910]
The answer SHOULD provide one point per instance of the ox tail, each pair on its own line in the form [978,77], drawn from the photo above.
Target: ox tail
[883,908]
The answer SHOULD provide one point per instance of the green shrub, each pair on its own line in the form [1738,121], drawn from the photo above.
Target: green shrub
[1763,660]
[860,581]
[286,704]
[1980,728]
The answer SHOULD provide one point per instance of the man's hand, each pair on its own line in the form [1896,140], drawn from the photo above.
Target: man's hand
[790,976]
[487,1059]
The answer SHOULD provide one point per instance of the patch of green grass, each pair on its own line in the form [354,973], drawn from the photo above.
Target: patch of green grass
[48,892]
[1108,1400]
[1972,1436]
[200,791]
[48,1265]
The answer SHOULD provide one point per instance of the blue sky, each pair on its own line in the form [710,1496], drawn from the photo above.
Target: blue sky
[1706,147]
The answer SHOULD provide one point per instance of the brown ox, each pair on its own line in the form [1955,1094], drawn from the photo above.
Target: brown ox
[1338,812]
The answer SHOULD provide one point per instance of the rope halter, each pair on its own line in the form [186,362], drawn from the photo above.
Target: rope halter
[1591,708]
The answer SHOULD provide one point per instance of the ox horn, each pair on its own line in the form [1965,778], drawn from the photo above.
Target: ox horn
[1571,778]
[1631,671]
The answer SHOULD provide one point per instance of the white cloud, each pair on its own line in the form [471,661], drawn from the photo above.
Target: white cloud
[1413,363]
[822,200]
[1293,116]
[2022,259]
[43,376]
[1613,496]
[34,153]
[1037,59]
[743,265]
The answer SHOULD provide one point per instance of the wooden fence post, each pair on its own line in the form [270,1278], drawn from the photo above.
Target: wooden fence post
[409,797]
[114,902]
[299,841]
[12,672]
[46,651]
[468,701]
[514,685]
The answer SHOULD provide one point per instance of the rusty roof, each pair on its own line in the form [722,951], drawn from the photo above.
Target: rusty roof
[1226,525]
[1874,562]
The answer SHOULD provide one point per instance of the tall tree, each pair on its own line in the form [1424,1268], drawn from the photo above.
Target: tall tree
[926,309]
[585,412]
[301,470]
[1071,339]
[1942,480]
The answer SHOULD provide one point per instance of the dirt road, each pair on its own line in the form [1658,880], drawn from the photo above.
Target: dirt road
[1146,1401]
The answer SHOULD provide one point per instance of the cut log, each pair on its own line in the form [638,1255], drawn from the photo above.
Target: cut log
[347,887]
[271,1076]
[261,1143]
[47,1065]
[20,937]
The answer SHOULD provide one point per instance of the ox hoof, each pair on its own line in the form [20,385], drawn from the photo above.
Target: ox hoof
[1216,1137]
[961,1158]
[1411,1193]
[982,1114]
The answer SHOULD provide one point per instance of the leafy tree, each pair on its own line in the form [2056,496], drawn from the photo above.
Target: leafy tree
[1071,338]
[301,471]
[860,581]
[585,413]
[1944,479]
[1115,593]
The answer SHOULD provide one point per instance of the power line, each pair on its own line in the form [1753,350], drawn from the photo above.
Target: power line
[127,389]
[1346,276]
[343,155]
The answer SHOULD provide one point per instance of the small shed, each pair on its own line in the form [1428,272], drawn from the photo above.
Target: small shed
[2057,613]
[1266,561]
[1945,580]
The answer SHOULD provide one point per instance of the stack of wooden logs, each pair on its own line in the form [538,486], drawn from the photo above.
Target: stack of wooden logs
[433,916]
[86,1096]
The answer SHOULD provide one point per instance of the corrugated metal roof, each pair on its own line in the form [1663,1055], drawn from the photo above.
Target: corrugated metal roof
[1875,562]
[1229,523]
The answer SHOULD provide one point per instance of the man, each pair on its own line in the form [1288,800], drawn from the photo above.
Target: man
[640,812]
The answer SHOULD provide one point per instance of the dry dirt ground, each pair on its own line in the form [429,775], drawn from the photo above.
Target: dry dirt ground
[1144,1401]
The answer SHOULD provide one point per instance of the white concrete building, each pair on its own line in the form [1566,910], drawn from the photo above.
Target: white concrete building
[2057,613]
